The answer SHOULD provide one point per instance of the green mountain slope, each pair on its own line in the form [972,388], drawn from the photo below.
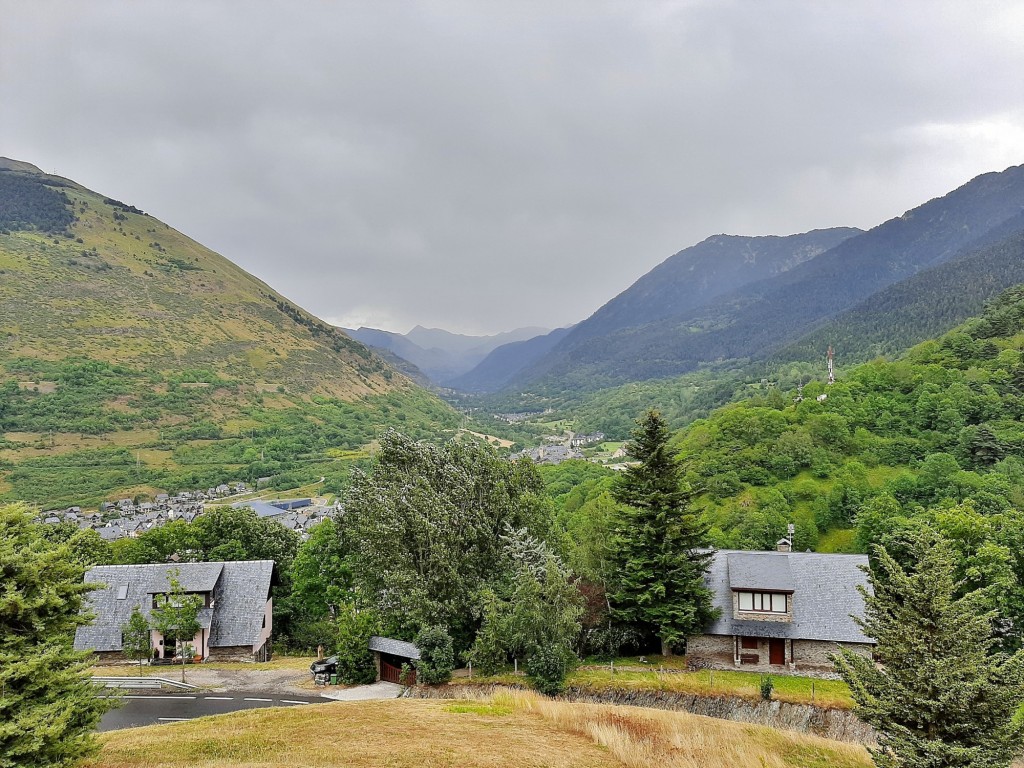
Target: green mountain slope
[133,358]
[938,427]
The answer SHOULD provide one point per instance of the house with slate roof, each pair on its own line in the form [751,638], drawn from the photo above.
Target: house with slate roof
[782,610]
[235,619]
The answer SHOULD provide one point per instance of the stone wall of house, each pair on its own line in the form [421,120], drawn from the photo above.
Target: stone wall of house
[112,657]
[808,657]
[232,653]
[716,650]
[813,655]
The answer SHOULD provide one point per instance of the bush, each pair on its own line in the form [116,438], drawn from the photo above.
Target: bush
[352,645]
[548,666]
[437,656]
[767,687]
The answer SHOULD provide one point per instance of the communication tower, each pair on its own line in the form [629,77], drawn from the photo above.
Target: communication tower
[831,365]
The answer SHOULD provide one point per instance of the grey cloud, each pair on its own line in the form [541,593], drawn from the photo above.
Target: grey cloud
[481,166]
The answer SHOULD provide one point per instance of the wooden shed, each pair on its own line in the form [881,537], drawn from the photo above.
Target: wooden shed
[389,656]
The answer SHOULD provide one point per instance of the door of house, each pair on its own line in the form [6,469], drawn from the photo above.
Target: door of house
[776,651]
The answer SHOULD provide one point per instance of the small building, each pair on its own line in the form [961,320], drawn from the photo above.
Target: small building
[235,620]
[782,610]
[389,656]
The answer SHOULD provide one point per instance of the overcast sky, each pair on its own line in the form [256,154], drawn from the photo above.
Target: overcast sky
[480,166]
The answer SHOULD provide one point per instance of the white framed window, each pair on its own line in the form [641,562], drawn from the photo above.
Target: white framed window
[763,602]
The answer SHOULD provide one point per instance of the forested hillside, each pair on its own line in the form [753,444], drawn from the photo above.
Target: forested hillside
[758,319]
[923,306]
[134,359]
[933,439]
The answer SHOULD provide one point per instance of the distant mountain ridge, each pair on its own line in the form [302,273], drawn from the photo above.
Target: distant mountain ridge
[755,320]
[503,363]
[441,355]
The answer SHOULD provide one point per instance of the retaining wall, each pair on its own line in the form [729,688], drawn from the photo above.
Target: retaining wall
[836,724]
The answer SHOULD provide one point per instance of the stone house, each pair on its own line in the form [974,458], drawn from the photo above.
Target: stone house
[782,611]
[235,620]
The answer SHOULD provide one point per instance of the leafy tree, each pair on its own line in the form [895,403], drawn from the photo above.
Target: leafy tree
[425,530]
[659,566]
[137,643]
[321,577]
[942,695]
[534,605]
[354,628]
[176,617]
[437,656]
[49,708]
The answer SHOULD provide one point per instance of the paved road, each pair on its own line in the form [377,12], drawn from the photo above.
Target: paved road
[148,709]
[381,690]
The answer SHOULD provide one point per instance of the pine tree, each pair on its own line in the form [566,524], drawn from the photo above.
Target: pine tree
[659,568]
[137,642]
[941,696]
[49,707]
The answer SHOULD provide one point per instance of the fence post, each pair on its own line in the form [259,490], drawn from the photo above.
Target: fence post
[471,670]
[515,665]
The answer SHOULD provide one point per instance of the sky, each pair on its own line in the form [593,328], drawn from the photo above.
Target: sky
[481,166]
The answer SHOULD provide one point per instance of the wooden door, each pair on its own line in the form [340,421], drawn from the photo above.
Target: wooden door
[776,652]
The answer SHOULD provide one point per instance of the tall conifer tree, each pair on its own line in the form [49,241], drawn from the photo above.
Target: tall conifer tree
[49,707]
[659,568]
[942,695]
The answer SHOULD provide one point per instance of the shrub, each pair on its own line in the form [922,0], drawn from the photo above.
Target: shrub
[767,687]
[352,641]
[548,666]
[437,656]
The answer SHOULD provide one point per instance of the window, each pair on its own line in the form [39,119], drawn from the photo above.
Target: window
[122,592]
[748,643]
[763,602]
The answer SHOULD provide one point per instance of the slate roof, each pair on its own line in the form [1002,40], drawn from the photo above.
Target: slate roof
[824,588]
[240,592]
[193,577]
[760,570]
[394,647]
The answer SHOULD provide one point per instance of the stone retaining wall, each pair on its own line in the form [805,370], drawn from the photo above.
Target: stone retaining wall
[836,724]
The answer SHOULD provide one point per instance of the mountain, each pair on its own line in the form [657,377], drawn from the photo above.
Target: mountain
[924,305]
[149,361]
[441,355]
[761,317]
[696,275]
[503,363]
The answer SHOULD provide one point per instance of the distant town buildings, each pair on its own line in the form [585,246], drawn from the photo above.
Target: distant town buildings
[127,519]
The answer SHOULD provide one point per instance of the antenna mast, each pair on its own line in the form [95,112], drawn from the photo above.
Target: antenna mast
[831,368]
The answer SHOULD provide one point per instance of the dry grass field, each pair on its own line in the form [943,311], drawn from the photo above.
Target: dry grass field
[520,729]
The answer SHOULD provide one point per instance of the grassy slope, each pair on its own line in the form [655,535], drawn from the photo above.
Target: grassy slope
[518,729]
[195,339]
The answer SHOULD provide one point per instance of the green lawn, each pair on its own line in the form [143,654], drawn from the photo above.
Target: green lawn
[630,674]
